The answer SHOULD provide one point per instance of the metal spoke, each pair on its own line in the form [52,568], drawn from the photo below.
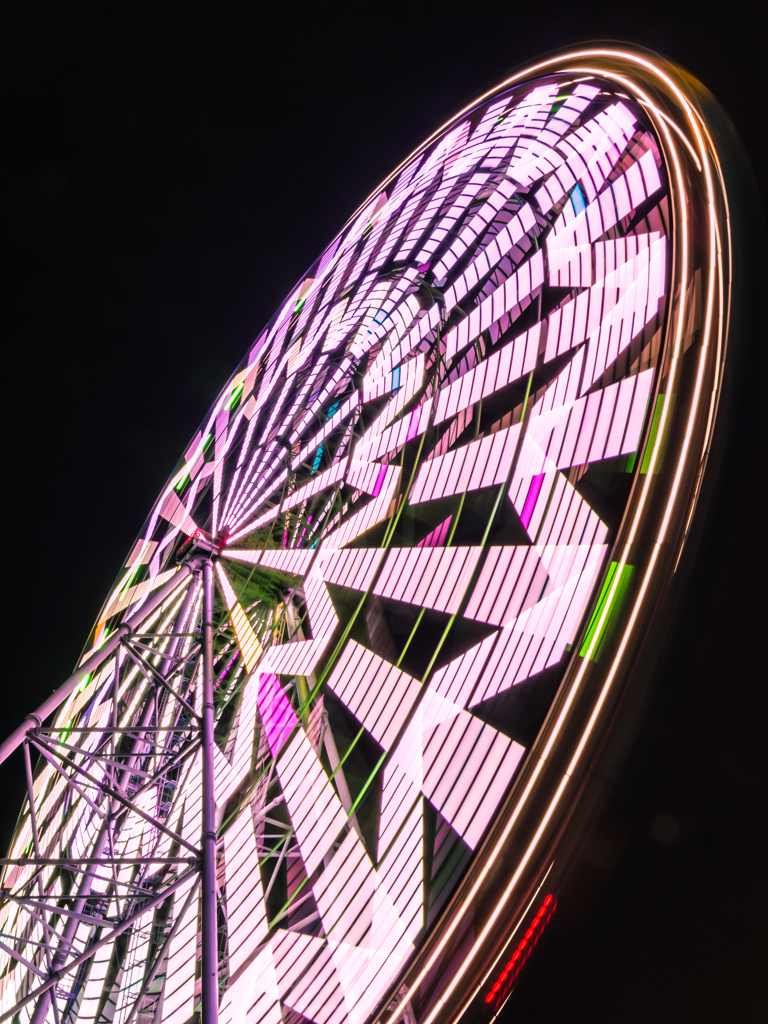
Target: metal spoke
[122,926]
[151,673]
[126,802]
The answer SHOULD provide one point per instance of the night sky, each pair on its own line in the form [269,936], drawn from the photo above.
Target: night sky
[170,172]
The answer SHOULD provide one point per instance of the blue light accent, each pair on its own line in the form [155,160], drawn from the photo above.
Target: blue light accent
[318,459]
[380,316]
[332,410]
[578,200]
[396,378]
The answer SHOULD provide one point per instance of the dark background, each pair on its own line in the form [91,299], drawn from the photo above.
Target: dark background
[170,172]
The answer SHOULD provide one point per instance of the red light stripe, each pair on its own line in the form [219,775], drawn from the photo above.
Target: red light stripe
[523,951]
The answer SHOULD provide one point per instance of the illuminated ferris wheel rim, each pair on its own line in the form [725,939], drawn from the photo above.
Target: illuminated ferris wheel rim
[556,766]
[679,142]
[608,63]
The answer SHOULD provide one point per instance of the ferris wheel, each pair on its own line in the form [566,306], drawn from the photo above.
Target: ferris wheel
[338,709]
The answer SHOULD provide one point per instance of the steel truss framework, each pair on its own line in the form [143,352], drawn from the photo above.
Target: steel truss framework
[358,664]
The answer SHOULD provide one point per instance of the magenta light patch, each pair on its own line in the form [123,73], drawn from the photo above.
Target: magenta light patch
[379,481]
[436,539]
[530,501]
[413,426]
[276,712]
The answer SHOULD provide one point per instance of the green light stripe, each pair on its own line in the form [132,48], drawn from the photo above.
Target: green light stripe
[595,631]
[653,435]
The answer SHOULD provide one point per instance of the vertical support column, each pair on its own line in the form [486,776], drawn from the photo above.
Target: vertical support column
[143,742]
[209,937]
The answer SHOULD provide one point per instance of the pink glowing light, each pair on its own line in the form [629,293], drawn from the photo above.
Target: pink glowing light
[276,712]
